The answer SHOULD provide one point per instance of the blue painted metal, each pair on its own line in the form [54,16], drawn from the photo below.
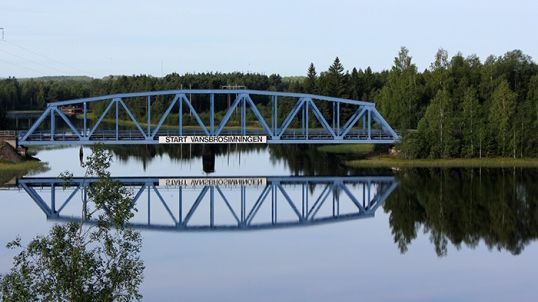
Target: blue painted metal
[374,129]
[286,201]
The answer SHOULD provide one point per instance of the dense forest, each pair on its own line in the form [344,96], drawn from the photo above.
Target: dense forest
[458,107]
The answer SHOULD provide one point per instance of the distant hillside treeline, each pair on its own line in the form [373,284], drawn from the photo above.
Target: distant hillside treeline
[458,107]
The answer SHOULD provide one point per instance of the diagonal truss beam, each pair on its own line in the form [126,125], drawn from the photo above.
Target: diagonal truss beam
[195,114]
[229,113]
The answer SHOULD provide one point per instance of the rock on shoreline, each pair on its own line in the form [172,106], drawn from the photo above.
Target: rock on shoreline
[9,154]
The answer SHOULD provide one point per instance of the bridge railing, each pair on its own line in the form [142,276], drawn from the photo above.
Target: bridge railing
[8,133]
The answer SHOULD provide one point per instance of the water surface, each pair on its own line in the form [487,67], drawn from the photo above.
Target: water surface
[440,235]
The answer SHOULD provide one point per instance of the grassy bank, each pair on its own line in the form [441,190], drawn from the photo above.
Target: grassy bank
[9,171]
[391,162]
[347,149]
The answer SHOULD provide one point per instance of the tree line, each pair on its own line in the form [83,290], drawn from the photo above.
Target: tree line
[458,107]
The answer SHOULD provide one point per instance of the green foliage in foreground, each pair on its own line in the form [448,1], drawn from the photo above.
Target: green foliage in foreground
[96,259]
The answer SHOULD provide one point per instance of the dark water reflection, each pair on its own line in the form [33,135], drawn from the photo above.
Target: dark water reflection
[299,159]
[464,207]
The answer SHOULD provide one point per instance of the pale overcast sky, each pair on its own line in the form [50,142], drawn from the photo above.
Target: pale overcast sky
[100,38]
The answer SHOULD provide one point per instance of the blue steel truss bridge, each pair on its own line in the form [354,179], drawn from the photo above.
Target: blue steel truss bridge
[184,204]
[144,117]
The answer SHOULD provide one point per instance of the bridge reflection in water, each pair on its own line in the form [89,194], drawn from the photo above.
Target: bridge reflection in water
[224,204]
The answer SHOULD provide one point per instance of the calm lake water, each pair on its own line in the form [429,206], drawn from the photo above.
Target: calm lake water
[372,235]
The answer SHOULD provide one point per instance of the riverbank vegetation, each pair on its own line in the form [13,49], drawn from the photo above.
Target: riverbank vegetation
[459,107]
[393,162]
[10,171]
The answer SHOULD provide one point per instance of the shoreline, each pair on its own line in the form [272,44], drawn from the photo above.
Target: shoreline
[391,162]
[364,156]
[9,171]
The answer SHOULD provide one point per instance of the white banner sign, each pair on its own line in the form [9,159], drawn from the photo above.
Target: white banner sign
[203,139]
[224,182]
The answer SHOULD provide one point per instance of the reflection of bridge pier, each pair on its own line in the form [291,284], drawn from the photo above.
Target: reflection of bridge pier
[208,158]
[229,204]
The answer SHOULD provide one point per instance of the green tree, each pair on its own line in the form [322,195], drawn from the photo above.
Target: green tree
[78,261]
[471,122]
[502,110]
[532,98]
[437,127]
[335,81]
[311,85]
[399,99]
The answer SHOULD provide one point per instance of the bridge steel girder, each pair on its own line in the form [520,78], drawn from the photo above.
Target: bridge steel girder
[283,194]
[374,130]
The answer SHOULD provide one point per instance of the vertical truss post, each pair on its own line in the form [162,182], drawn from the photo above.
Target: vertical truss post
[334,116]
[338,118]
[85,127]
[303,114]
[243,205]
[180,203]
[363,123]
[212,206]
[212,114]
[52,123]
[149,203]
[273,203]
[363,195]
[333,189]
[369,124]
[303,205]
[149,115]
[369,191]
[306,116]
[85,194]
[180,116]
[243,116]
[53,198]
[117,119]
[274,116]
[336,200]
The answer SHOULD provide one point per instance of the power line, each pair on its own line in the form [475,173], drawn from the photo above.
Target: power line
[35,53]
[30,60]
[19,65]
[48,58]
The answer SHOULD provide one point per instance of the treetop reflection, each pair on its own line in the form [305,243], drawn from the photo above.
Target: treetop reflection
[465,206]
